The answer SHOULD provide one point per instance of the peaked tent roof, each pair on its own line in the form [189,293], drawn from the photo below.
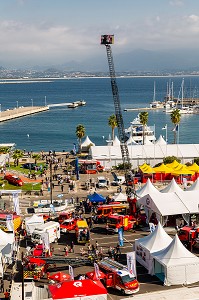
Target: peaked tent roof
[160,141]
[173,165]
[147,141]
[194,186]
[194,167]
[148,188]
[96,198]
[87,142]
[171,187]
[156,240]
[183,170]
[120,197]
[175,254]
[60,276]
[116,141]
[6,238]
[162,169]
[131,141]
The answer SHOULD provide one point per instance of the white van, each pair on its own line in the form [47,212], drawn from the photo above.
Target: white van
[53,230]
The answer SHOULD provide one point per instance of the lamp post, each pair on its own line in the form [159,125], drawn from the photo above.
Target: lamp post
[45,101]
[0,107]
[32,102]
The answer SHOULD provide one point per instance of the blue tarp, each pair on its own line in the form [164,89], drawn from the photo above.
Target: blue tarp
[96,198]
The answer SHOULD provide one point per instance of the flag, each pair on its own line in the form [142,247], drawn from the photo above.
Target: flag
[165,127]
[131,263]
[71,273]
[15,198]
[176,127]
[97,274]
[74,149]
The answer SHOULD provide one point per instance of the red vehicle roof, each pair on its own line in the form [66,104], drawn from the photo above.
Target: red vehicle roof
[77,288]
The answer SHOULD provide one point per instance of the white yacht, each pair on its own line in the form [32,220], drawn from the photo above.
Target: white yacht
[135,130]
[73,105]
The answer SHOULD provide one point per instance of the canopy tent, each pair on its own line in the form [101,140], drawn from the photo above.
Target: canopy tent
[86,144]
[175,264]
[116,141]
[148,188]
[173,165]
[120,197]
[194,167]
[96,198]
[161,141]
[155,241]
[183,170]
[194,186]
[162,169]
[60,277]
[78,289]
[146,169]
[131,141]
[32,222]
[177,203]
[3,159]
[171,187]
[147,141]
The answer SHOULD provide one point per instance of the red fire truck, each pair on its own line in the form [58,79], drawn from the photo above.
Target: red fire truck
[103,211]
[115,275]
[189,236]
[117,221]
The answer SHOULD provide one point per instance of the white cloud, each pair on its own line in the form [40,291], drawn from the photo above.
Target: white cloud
[176,2]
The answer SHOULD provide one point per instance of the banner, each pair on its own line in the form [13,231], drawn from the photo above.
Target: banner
[71,273]
[15,198]
[131,263]
[45,241]
[120,236]
[97,274]
[9,222]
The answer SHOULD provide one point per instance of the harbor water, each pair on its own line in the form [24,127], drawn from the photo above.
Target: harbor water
[55,128]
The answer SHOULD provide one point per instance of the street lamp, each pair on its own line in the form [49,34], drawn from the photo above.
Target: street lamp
[17,104]
[0,107]
[32,102]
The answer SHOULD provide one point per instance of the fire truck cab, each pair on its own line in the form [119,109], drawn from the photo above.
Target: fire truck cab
[189,236]
[103,211]
[117,221]
[116,275]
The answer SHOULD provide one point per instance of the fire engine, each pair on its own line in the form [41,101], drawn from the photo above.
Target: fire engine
[115,275]
[90,166]
[117,221]
[189,236]
[68,225]
[103,211]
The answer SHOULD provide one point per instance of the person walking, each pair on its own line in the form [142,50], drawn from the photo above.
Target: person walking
[72,247]
[6,295]
[66,250]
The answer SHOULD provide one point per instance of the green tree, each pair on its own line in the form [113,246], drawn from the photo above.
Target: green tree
[80,133]
[143,116]
[170,159]
[112,122]
[36,156]
[17,155]
[175,119]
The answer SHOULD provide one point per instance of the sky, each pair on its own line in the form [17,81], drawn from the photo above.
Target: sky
[53,32]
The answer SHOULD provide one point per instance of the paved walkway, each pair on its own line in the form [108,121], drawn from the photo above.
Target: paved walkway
[183,293]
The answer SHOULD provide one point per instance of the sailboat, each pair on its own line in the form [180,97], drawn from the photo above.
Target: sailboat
[155,103]
[184,109]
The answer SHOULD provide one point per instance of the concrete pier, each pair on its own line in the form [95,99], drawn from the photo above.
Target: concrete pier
[21,112]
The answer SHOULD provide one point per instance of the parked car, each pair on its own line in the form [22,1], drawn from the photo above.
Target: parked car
[101,182]
[30,166]
[12,179]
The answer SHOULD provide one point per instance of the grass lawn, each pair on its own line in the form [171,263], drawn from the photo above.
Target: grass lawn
[20,169]
[24,187]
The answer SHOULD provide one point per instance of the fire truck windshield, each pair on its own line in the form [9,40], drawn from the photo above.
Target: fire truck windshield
[127,278]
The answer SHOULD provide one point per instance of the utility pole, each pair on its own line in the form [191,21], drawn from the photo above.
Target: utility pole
[22,281]
[51,182]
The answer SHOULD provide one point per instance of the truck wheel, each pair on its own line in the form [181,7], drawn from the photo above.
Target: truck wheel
[123,292]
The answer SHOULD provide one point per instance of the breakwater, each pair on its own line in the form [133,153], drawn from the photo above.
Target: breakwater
[21,112]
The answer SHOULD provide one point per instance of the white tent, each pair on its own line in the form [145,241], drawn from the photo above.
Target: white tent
[194,186]
[6,238]
[171,187]
[116,141]
[175,264]
[120,197]
[148,188]
[155,241]
[33,222]
[147,141]
[86,144]
[160,141]
[131,141]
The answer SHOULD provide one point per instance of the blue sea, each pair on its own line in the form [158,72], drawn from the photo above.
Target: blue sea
[55,129]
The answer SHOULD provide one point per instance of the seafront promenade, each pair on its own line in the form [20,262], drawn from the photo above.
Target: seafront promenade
[21,112]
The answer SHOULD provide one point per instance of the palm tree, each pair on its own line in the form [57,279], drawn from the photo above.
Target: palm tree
[80,133]
[112,122]
[17,155]
[143,116]
[36,156]
[175,119]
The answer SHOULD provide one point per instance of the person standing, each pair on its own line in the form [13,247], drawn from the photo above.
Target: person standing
[72,247]
[66,250]
[6,295]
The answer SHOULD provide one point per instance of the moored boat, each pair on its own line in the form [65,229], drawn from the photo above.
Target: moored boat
[73,105]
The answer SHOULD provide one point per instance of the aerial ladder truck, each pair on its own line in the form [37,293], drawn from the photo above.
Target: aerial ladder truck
[108,40]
